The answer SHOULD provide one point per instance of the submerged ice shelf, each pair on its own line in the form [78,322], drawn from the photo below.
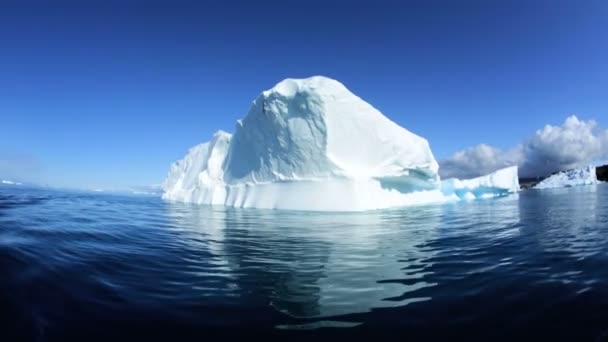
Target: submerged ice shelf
[311,144]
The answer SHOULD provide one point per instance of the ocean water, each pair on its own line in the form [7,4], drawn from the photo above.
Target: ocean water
[84,267]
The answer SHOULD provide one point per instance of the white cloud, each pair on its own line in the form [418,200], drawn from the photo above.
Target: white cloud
[573,144]
[478,160]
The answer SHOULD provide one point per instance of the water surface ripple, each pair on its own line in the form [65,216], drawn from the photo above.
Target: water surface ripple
[75,266]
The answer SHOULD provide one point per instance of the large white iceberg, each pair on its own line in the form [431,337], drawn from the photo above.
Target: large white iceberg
[570,178]
[310,144]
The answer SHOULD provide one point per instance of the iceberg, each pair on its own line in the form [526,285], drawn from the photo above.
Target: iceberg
[311,144]
[8,182]
[497,183]
[569,178]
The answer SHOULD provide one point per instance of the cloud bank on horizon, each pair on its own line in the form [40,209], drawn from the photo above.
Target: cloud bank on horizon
[575,143]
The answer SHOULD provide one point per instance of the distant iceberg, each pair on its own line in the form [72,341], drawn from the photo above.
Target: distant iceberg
[311,144]
[570,178]
[8,182]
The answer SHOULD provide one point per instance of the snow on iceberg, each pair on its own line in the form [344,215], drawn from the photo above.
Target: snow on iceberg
[569,178]
[309,144]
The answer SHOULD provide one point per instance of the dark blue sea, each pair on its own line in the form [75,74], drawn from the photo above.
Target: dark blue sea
[84,267]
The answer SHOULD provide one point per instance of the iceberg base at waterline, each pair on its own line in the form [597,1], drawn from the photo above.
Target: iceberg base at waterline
[312,195]
[343,194]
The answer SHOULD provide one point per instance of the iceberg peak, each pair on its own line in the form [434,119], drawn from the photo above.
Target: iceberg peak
[289,87]
[316,128]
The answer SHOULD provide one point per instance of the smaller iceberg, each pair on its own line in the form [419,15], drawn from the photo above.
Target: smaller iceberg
[498,183]
[8,182]
[570,178]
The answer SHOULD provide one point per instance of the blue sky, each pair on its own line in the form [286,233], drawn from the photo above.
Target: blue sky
[109,94]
